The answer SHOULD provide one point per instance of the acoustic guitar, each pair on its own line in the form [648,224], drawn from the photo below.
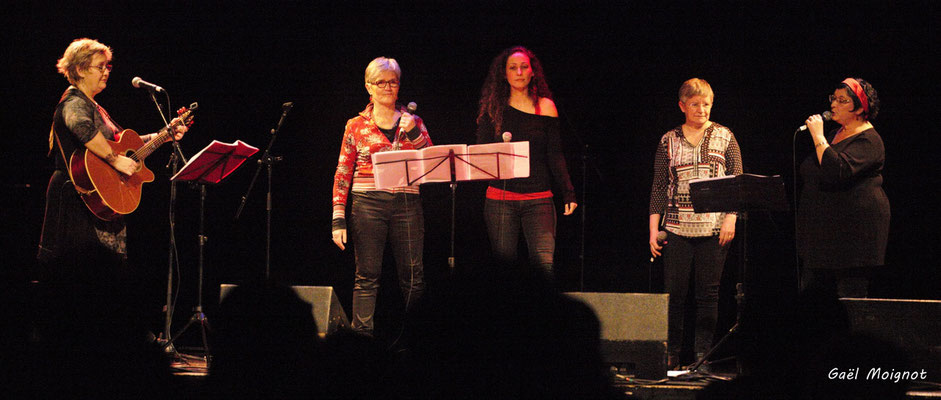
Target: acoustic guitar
[109,193]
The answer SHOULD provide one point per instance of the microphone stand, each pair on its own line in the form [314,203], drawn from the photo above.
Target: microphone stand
[268,160]
[175,156]
[451,260]
[583,205]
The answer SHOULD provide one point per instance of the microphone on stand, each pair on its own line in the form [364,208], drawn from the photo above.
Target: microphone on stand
[138,82]
[507,137]
[826,115]
[285,109]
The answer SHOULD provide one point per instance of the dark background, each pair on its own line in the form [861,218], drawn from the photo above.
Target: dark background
[614,69]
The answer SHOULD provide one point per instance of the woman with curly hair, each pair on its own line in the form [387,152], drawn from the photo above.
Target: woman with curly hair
[843,216]
[515,98]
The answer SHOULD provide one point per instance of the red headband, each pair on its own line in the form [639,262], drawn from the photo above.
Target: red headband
[860,93]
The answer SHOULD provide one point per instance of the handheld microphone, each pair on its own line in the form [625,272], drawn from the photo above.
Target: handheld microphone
[411,108]
[661,240]
[138,82]
[826,115]
[661,237]
[507,136]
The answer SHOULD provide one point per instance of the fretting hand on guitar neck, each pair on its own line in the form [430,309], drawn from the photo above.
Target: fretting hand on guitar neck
[127,165]
[111,185]
[178,126]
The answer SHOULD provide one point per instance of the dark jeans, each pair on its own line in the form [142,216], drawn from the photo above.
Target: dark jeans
[702,258]
[378,218]
[535,218]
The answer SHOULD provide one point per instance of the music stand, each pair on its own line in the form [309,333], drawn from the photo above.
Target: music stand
[210,166]
[451,163]
[741,193]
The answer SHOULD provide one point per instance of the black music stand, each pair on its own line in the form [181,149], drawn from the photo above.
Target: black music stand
[741,193]
[209,166]
[450,162]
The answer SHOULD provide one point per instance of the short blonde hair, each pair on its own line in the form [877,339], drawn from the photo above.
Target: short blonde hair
[695,87]
[382,64]
[78,56]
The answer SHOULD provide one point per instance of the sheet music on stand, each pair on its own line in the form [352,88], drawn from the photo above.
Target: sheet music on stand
[215,162]
[451,163]
[398,168]
[744,192]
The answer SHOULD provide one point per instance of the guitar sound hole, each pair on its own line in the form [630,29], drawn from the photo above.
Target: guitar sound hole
[130,153]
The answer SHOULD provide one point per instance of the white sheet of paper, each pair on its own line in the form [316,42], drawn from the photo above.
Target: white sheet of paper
[398,168]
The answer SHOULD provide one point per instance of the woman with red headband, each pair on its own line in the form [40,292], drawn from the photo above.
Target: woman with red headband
[843,216]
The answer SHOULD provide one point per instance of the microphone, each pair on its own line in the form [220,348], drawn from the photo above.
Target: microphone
[285,109]
[411,108]
[507,136]
[661,240]
[138,82]
[826,115]
[661,237]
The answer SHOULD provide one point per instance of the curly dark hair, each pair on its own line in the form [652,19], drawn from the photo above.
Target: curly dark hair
[870,93]
[495,94]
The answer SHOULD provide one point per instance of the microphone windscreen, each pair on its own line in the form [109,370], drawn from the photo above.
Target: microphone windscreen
[507,136]
[412,107]
[826,115]
[661,237]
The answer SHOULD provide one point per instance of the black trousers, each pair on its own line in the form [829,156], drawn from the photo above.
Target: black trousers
[378,218]
[702,259]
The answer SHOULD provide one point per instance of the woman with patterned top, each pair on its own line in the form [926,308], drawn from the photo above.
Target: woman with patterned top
[698,242]
[843,216]
[377,216]
[515,98]
[70,231]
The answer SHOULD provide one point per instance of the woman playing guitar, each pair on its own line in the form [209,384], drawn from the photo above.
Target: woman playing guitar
[70,231]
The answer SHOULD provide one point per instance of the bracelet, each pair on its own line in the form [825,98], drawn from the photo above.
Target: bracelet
[823,142]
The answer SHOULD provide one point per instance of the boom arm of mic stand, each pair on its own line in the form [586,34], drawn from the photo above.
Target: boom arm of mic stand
[266,159]
[166,124]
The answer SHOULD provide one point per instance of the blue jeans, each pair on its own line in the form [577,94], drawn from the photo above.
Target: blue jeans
[377,218]
[703,258]
[535,218]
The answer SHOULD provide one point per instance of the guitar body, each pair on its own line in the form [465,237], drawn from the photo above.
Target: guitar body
[105,191]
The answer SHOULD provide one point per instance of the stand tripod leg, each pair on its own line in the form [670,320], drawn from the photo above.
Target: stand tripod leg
[706,356]
[200,318]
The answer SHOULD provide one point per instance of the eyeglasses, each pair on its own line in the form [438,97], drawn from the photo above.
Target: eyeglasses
[101,68]
[841,100]
[385,84]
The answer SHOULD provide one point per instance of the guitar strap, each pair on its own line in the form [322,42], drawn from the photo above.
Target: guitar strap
[53,142]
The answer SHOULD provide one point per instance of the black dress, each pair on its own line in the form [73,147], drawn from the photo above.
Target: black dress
[70,232]
[843,216]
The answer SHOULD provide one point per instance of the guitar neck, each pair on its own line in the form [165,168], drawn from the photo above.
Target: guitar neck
[153,144]
[162,136]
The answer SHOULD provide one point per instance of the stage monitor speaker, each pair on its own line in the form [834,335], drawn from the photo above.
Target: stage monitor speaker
[633,330]
[911,325]
[326,308]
